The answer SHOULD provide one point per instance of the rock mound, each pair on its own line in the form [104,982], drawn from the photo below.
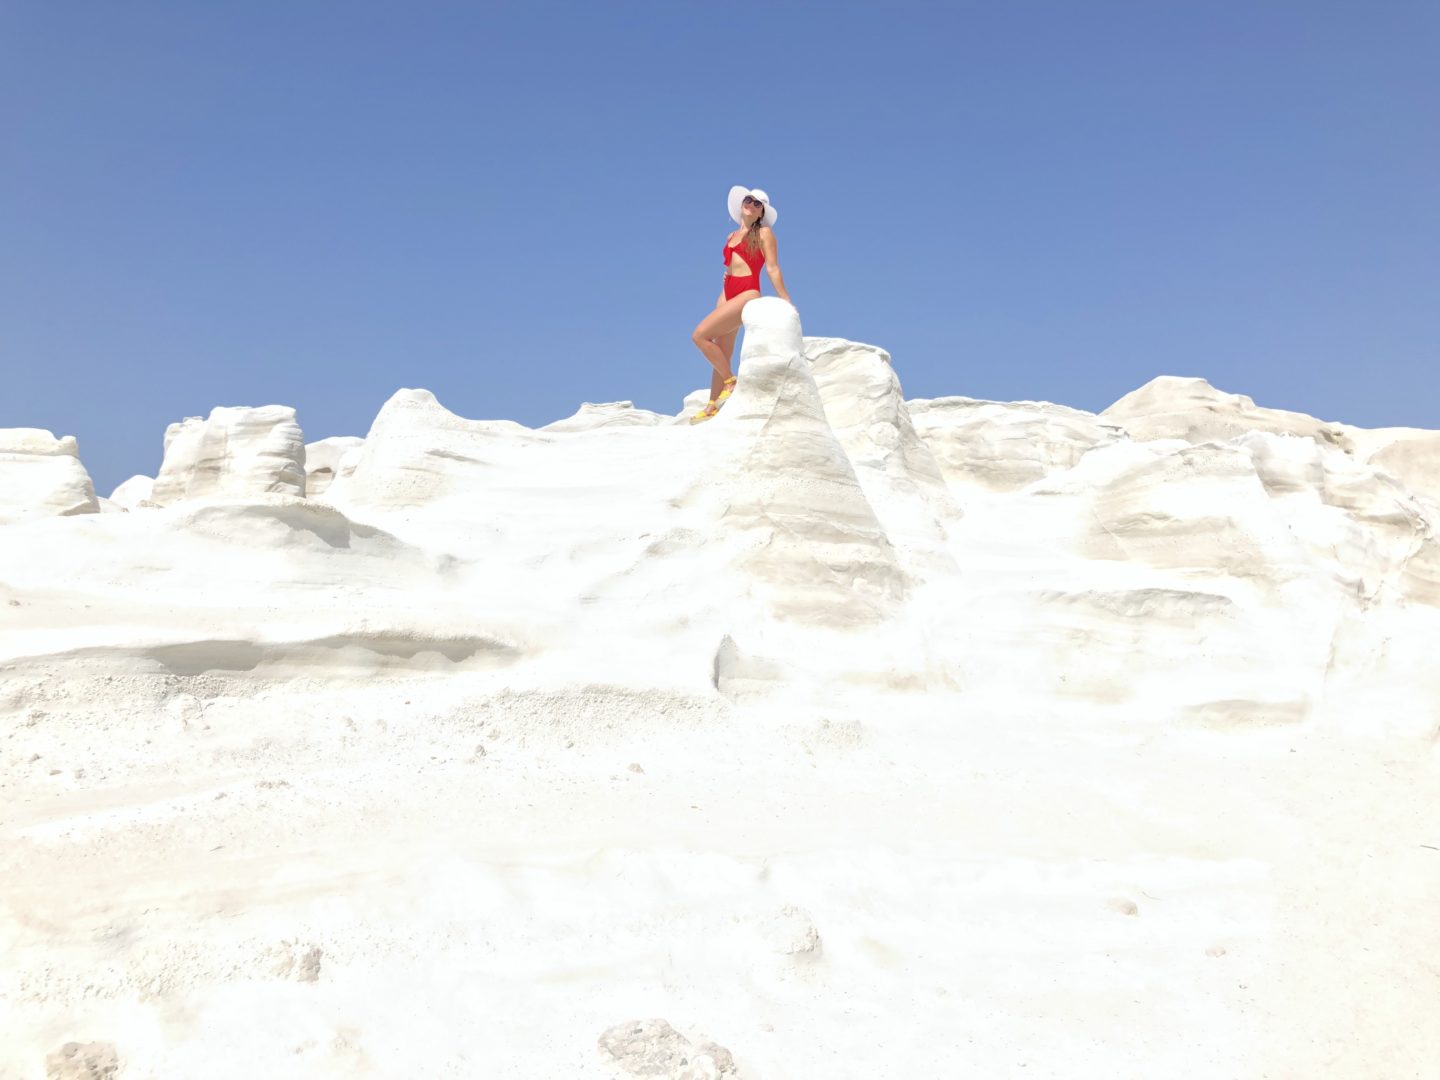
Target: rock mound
[41,476]
[238,451]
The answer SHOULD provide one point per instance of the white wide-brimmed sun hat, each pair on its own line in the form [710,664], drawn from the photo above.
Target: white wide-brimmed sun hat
[737,196]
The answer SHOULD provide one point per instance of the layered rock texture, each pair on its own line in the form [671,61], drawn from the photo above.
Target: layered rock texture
[41,476]
[328,458]
[236,452]
[861,736]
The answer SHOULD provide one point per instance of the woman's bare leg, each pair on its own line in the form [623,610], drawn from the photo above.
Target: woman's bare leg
[724,320]
[727,346]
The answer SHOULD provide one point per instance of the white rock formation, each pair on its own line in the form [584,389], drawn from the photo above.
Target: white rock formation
[1022,735]
[417,452]
[611,414]
[134,494]
[41,476]
[897,471]
[323,461]
[1409,454]
[1169,407]
[237,452]
[1002,446]
[809,539]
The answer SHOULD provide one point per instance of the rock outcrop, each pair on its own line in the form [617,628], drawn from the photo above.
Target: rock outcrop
[237,452]
[810,538]
[1003,446]
[325,458]
[418,453]
[134,494]
[897,471]
[1171,407]
[825,532]
[1412,457]
[41,476]
[759,724]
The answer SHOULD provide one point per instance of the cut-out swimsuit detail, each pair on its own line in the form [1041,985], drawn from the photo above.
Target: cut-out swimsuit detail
[734,285]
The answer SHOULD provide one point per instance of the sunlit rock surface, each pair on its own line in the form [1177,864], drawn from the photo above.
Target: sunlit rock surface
[134,494]
[236,452]
[1191,409]
[1002,446]
[1040,742]
[324,458]
[611,414]
[41,476]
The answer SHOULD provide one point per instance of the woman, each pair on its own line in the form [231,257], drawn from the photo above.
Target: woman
[746,251]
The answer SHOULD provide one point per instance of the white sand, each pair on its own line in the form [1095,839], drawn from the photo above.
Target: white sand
[862,739]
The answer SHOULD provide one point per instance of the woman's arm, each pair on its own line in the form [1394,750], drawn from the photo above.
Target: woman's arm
[772,262]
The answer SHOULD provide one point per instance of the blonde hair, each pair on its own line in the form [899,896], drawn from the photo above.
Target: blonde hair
[751,240]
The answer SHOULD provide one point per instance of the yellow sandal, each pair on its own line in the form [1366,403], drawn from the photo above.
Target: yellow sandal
[727,386]
[710,409]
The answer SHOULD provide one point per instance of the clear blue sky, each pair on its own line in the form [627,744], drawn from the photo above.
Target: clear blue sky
[521,206]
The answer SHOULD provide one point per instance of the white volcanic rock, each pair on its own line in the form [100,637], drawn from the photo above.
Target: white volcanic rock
[41,476]
[1411,455]
[998,711]
[1201,509]
[238,451]
[1193,410]
[1170,407]
[1358,517]
[345,467]
[1377,545]
[1183,555]
[323,460]
[1215,548]
[897,472]
[418,452]
[610,414]
[133,494]
[1002,446]
[767,483]
[813,542]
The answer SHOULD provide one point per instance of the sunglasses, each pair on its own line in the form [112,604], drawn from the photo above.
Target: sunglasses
[750,200]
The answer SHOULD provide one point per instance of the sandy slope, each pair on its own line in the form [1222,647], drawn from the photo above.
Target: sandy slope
[920,889]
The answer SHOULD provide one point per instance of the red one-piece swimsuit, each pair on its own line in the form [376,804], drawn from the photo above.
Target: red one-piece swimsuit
[734,286]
